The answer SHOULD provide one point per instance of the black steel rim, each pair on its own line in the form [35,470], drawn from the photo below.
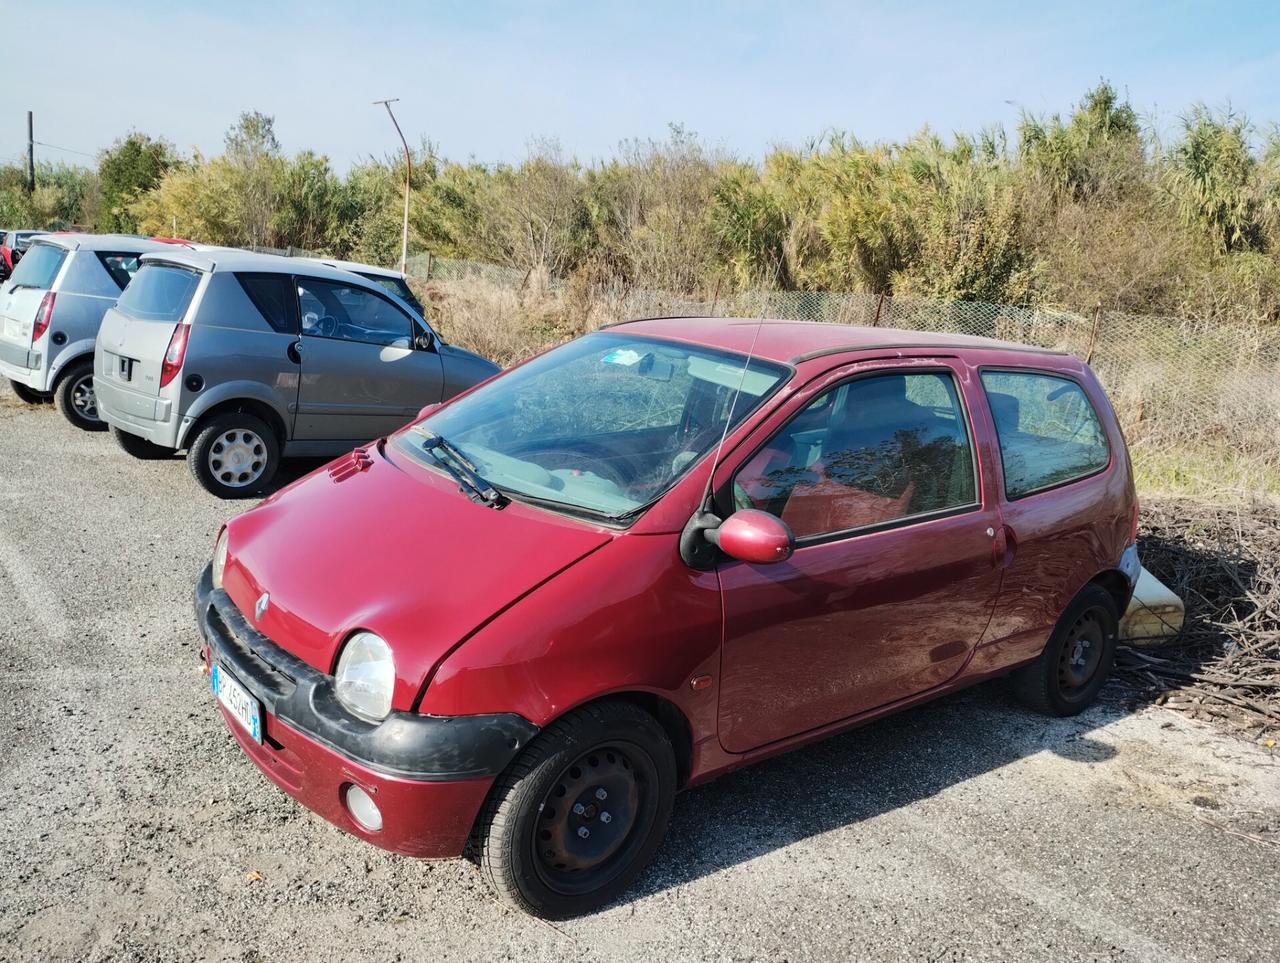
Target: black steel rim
[595,818]
[1081,654]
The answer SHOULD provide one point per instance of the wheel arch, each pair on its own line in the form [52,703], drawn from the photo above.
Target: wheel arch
[1117,586]
[668,715]
[257,407]
[68,356]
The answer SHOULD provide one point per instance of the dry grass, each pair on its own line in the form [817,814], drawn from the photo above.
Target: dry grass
[1224,562]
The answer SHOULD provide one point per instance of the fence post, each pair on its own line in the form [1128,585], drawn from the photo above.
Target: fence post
[875,323]
[1093,333]
[430,264]
[715,298]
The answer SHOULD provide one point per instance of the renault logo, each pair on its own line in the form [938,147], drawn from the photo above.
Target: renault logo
[260,607]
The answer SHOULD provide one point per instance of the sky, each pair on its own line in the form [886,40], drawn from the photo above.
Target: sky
[483,80]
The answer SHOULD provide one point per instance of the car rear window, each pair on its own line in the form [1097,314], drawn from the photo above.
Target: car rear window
[159,292]
[121,267]
[274,297]
[39,266]
[1049,433]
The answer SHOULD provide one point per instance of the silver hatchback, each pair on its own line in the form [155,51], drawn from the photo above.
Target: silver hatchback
[244,358]
[50,310]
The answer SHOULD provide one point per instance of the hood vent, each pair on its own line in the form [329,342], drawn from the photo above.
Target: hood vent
[351,464]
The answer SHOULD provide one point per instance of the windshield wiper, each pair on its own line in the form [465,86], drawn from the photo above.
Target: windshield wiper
[460,467]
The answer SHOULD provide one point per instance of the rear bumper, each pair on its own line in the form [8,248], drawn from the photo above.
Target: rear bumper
[20,364]
[135,412]
[428,775]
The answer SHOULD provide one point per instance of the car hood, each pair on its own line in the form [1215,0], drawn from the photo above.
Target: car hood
[368,543]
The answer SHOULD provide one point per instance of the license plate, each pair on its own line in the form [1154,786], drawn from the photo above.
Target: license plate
[244,708]
[13,330]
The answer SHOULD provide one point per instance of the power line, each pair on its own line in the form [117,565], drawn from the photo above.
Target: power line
[69,150]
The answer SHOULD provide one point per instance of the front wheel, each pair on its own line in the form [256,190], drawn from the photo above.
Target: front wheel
[1077,659]
[30,395]
[580,812]
[234,455]
[75,397]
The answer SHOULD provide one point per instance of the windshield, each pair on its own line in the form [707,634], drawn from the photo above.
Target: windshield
[38,267]
[604,424]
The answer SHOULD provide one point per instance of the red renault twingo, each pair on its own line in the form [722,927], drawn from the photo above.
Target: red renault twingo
[656,553]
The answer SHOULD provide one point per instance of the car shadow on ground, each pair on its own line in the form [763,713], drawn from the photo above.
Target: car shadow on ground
[925,750]
[861,774]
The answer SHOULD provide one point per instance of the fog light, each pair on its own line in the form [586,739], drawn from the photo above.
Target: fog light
[362,808]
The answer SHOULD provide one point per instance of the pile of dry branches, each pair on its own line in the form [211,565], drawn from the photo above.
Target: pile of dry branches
[1224,562]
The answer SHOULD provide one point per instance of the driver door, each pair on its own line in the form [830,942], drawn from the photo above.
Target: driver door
[894,576]
[363,373]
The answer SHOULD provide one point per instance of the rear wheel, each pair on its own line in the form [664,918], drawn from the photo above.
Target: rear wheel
[234,455]
[580,813]
[1076,661]
[75,398]
[139,447]
[29,395]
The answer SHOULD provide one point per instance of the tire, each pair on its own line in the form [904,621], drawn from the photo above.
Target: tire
[1069,673]
[140,447]
[524,842]
[29,395]
[234,455]
[74,396]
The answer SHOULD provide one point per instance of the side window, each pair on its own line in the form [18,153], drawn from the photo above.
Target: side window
[121,267]
[350,313]
[870,451]
[272,295]
[1049,433]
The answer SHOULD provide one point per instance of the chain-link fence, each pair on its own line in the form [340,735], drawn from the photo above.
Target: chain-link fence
[1199,400]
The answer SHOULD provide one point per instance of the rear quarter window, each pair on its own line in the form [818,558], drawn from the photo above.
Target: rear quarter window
[39,266]
[274,297]
[1048,430]
[121,267]
[159,292]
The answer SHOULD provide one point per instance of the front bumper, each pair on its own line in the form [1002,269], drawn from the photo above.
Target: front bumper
[429,775]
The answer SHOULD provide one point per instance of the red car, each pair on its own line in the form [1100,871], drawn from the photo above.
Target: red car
[652,555]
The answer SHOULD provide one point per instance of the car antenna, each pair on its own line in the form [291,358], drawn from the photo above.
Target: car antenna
[703,504]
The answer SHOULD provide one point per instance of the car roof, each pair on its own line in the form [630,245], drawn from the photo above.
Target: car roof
[123,243]
[355,267]
[218,259]
[796,341]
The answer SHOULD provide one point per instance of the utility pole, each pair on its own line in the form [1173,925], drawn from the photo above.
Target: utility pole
[31,154]
[408,180]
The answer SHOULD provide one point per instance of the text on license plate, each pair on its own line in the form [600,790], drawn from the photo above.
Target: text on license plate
[244,708]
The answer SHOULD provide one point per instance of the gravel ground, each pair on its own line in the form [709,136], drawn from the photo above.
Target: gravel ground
[131,827]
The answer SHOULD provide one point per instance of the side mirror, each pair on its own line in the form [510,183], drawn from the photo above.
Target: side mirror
[749,535]
[423,342]
[427,409]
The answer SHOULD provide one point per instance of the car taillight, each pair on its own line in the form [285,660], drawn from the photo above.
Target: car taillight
[43,317]
[174,353]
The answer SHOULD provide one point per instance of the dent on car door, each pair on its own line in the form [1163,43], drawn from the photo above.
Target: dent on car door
[893,579]
[362,375]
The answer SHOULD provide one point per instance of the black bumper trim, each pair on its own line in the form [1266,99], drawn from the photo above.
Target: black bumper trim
[405,744]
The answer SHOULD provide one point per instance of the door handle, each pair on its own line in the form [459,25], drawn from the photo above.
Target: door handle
[294,352]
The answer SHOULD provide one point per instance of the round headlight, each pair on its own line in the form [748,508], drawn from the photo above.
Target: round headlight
[366,676]
[219,558]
